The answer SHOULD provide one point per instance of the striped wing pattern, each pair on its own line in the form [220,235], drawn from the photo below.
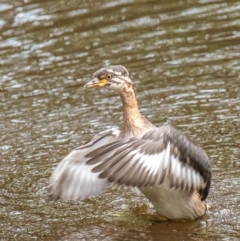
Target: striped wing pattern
[73,179]
[148,161]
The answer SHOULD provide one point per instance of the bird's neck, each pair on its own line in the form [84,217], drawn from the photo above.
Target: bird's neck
[134,124]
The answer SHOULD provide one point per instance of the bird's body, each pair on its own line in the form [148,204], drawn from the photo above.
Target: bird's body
[171,170]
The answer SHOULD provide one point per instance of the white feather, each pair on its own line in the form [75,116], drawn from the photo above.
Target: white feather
[73,179]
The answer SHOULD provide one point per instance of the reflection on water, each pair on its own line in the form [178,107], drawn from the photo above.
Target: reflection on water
[184,59]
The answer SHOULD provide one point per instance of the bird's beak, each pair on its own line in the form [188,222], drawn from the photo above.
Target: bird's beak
[95,83]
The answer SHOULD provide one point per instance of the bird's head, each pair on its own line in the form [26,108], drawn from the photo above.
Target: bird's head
[114,77]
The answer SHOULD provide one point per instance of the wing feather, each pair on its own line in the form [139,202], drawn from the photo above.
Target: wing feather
[148,161]
[73,178]
[117,166]
[138,162]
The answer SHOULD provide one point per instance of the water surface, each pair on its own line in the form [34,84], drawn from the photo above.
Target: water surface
[184,59]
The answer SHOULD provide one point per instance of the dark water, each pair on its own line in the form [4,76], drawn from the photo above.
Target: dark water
[184,58]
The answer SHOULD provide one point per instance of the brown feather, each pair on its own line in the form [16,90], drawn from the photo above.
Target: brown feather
[102,150]
[115,166]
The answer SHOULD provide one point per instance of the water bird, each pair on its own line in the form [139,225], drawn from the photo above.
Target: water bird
[169,168]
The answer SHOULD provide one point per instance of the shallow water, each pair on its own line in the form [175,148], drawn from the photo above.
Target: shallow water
[184,58]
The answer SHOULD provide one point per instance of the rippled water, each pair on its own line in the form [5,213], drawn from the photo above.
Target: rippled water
[184,58]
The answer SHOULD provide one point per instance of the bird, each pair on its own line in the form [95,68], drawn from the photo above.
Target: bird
[167,166]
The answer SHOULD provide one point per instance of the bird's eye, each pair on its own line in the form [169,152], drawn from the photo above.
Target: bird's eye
[109,76]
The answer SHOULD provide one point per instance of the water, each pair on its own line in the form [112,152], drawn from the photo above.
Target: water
[184,59]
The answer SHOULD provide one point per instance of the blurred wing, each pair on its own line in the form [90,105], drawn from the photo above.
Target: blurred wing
[160,153]
[72,179]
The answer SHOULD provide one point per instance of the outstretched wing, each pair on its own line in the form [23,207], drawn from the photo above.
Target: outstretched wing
[148,161]
[73,179]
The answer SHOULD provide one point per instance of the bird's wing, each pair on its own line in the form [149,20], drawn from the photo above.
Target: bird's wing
[72,179]
[147,161]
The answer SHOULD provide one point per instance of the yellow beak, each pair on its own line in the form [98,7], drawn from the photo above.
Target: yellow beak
[95,83]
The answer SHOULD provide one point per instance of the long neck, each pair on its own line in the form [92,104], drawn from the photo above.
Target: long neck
[134,124]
